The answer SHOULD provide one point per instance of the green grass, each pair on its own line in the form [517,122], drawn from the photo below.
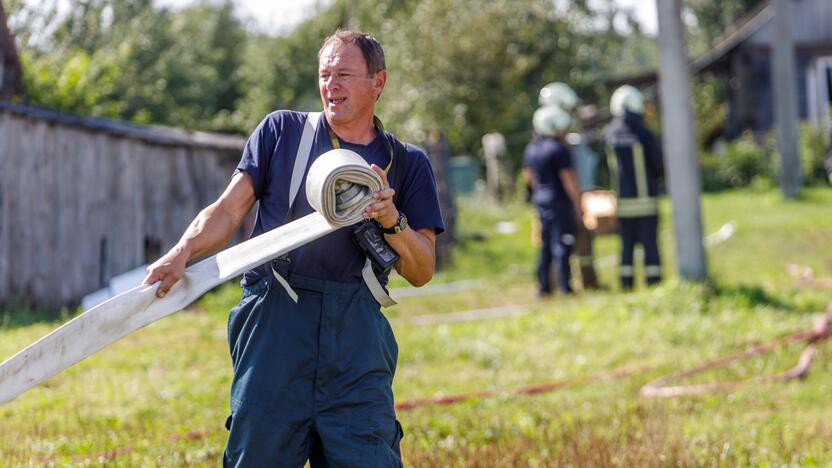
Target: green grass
[136,402]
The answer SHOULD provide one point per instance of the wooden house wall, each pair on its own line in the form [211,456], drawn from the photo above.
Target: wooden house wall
[810,24]
[750,92]
[751,95]
[811,30]
[78,205]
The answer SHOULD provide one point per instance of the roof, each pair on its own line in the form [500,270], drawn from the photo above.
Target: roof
[158,135]
[11,72]
[738,33]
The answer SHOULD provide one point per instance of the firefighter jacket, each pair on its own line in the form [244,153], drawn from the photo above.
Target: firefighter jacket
[635,161]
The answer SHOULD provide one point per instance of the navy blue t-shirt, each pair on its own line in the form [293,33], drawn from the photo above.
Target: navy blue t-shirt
[546,157]
[269,158]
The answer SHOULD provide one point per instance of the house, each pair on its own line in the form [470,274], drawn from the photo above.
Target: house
[742,60]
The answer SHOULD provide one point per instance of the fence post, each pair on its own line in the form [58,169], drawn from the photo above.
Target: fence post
[439,153]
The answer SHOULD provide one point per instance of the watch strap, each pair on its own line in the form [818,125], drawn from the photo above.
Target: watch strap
[401,225]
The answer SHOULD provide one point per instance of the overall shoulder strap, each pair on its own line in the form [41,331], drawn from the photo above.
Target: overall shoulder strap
[367,273]
[298,169]
[399,155]
[302,157]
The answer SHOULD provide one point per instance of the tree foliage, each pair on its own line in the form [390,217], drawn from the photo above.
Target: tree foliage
[127,59]
[466,67]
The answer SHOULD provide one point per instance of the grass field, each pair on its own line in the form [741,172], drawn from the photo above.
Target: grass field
[159,397]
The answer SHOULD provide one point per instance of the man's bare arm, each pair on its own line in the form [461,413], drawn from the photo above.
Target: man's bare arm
[207,233]
[417,254]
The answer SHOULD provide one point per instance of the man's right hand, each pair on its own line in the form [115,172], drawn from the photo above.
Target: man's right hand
[168,269]
[207,233]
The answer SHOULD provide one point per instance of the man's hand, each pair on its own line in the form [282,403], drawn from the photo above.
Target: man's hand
[207,233]
[416,248]
[168,269]
[382,210]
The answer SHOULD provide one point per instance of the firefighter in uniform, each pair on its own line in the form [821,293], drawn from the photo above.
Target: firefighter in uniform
[635,162]
[547,166]
[585,162]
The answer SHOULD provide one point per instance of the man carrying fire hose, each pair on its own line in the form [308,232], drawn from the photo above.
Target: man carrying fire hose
[313,356]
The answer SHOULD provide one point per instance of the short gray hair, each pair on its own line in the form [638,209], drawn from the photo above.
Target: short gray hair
[369,46]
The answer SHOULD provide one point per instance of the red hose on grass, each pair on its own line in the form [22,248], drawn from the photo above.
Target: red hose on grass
[662,388]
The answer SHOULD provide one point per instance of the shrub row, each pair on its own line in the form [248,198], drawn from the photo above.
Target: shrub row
[748,160]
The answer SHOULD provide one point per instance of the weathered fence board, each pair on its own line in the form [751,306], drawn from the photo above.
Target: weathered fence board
[5,144]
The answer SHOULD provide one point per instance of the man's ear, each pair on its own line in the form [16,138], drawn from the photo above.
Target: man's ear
[379,81]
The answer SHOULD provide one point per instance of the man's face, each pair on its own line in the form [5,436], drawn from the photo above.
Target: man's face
[348,91]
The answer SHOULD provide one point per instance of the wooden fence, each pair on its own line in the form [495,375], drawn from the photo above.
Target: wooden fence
[82,200]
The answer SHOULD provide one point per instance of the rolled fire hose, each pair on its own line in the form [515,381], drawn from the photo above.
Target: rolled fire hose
[339,186]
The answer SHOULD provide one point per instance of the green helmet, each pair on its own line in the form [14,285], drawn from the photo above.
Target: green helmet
[560,95]
[551,121]
[627,98]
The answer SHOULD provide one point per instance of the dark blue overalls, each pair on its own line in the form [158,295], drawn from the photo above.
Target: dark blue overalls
[313,380]
[557,236]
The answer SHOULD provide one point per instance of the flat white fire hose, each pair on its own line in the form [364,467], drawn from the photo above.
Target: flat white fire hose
[338,171]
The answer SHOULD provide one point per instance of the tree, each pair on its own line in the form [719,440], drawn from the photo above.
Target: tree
[129,60]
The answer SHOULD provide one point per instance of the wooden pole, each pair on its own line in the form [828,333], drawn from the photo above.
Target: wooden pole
[785,99]
[679,146]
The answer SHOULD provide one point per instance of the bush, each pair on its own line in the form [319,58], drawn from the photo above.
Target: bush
[710,109]
[814,145]
[740,163]
[709,167]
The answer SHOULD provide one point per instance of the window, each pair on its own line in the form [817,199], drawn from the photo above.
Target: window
[819,86]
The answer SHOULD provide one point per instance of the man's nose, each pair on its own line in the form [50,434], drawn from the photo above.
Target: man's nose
[331,83]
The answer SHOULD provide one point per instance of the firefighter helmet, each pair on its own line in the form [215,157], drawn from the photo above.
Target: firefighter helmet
[560,95]
[627,98]
[551,121]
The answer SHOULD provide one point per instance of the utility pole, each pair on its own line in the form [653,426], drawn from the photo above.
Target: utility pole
[785,98]
[680,155]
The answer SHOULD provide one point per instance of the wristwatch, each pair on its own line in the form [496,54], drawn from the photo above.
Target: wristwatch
[401,225]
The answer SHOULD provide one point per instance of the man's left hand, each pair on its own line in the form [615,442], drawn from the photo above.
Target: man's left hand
[382,209]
